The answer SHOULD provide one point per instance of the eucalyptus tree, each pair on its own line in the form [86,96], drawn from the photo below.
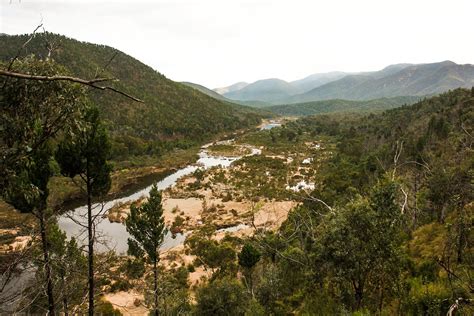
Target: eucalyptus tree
[32,114]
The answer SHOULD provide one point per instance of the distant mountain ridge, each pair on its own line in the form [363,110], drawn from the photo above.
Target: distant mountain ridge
[267,90]
[392,81]
[215,95]
[231,88]
[316,80]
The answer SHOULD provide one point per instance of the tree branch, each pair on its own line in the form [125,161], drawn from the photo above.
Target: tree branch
[91,83]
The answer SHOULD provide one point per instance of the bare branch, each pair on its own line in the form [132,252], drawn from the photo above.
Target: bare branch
[405,201]
[24,45]
[91,83]
[106,65]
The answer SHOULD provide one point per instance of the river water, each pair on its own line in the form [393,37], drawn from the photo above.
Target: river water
[113,236]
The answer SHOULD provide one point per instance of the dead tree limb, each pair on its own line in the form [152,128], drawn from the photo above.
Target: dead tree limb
[91,83]
[24,45]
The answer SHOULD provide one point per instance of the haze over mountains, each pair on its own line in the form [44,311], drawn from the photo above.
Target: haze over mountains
[392,81]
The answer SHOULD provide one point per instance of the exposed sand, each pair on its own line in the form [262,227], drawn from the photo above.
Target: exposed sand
[190,207]
[125,302]
[20,243]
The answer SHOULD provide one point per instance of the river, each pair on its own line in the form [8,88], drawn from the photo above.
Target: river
[113,236]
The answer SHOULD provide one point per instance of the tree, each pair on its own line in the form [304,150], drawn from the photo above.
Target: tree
[33,113]
[222,297]
[219,257]
[85,155]
[146,225]
[361,244]
[248,258]
[28,192]
[68,265]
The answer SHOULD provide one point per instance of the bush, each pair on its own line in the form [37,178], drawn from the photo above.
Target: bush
[222,297]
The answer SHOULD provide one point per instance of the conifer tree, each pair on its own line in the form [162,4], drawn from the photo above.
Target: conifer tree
[248,258]
[146,225]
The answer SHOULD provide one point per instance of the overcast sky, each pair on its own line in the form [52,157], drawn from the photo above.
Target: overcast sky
[220,42]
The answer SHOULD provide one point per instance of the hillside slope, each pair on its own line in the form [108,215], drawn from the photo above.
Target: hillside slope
[422,156]
[215,95]
[338,105]
[205,90]
[267,90]
[172,115]
[316,80]
[234,87]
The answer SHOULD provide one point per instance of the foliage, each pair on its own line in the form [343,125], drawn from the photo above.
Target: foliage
[248,256]
[106,308]
[394,233]
[222,297]
[219,257]
[173,295]
[32,115]
[146,226]
[86,154]
[68,265]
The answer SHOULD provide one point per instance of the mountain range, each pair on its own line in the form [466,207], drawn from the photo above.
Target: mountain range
[392,81]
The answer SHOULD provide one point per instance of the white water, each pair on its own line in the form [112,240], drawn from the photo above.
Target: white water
[270,125]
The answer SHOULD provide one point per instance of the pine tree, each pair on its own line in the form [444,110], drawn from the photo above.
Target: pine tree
[248,258]
[146,225]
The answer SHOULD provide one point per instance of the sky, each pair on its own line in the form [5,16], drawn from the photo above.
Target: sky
[219,42]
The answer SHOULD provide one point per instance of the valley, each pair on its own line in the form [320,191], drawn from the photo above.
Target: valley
[342,193]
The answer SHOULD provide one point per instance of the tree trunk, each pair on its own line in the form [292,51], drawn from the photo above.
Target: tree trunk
[381,297]
[65,306]
[358,293]
[461,239]
[47,265]
[90,245]
[155,287]
[65,293]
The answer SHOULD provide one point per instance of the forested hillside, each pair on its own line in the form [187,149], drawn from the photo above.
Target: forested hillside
[338,105]
[389,227]
[172,115]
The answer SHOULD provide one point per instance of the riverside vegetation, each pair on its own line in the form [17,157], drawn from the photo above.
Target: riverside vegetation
[332,214]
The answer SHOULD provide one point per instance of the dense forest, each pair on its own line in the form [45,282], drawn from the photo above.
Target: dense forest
[394,234]
[338,106]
